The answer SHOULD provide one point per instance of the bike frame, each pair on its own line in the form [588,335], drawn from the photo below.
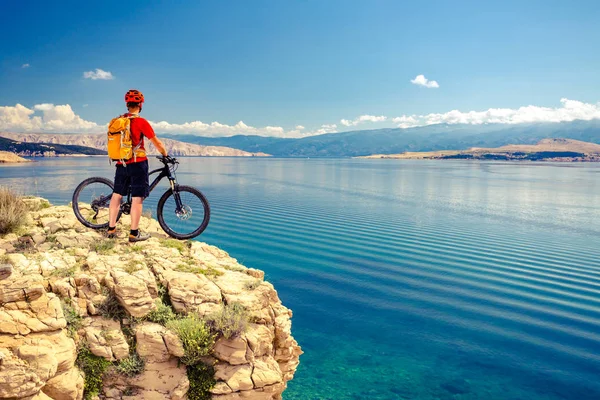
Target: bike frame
[165,172]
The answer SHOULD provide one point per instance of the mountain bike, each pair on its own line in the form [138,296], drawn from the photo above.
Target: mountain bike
[182,212]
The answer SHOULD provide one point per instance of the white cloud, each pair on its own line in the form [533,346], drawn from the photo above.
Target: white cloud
[85,105]
[326,128]
[47,117]
[405,122]
[363,118]
[422,81]
[60,118]
[25,66]
[98,74]
[570,110]
[217,129]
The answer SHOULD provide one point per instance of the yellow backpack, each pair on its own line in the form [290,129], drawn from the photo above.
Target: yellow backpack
[120,144]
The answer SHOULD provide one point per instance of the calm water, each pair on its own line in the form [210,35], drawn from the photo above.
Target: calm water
[408,279]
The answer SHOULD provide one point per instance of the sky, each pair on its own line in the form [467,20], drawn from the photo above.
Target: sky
[294,68]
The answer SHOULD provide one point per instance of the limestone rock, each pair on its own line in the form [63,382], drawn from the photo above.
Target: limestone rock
[174,345]
[132,293]
[237,377]
[89,288]
[5,270]
[162,377]
[37,357]
[67,386]
[150,342]
[191,292]
[266,372]
[39,315]
[232,351]
[17,379]
[105,339]
[22,288]
[260,339]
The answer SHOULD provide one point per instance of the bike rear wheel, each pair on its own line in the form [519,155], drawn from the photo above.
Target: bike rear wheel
[187,221]
[91,201]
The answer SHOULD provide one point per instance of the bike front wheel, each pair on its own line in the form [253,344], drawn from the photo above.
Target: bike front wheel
[183,213]
[91,201]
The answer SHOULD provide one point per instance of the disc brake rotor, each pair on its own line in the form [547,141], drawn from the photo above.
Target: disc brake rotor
[185,212]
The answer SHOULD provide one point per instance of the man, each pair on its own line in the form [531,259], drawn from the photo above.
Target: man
[135,171]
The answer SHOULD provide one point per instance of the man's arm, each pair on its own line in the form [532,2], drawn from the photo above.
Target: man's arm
[159,146]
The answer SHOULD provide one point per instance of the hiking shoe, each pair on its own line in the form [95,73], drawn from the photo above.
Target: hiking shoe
[111,234]
[139,238]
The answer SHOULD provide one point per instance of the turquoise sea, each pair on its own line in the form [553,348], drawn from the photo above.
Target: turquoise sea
[408,279]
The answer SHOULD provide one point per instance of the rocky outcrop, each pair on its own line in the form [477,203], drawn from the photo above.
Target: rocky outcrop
[8,157]
[98,141]
[64,287]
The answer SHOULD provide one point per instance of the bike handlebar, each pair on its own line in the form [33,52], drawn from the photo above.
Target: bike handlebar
[167,160]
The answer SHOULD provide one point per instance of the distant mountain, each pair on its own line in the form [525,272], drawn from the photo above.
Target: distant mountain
[42,149]
[392,141]
[546,149]
[97,142]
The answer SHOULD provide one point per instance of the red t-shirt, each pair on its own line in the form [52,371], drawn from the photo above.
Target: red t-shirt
[139,128]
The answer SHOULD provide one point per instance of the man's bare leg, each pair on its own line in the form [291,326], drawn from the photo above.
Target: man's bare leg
[137,204]
[113,209]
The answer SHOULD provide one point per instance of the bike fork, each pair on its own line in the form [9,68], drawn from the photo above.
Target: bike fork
[178,203]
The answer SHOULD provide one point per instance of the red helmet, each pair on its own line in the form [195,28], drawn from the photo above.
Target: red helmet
[134,96]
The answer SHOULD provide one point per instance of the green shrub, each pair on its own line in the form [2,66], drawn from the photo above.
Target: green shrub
[202,379]
[111,308]
[94,368]
[196,337]
[103,246]
[13,211]
[162,315]
[132,365]
[74,320]
[231,320]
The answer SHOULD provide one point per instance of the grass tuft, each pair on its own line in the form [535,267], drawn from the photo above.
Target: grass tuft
[194,269]
[196,337]
[132,266]
[64,272]
[176,244]
[111,308]
[131,366]
[231,320]
[104,246]
[162,315]
[251,285]
[74,320]
[12,211]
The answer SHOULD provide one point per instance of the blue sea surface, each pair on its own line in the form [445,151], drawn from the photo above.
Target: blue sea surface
[408,279]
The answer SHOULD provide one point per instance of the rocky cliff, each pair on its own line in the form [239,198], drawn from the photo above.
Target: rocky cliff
[82,316]
[98,141]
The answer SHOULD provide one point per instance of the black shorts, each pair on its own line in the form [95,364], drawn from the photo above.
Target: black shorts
[134,174]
